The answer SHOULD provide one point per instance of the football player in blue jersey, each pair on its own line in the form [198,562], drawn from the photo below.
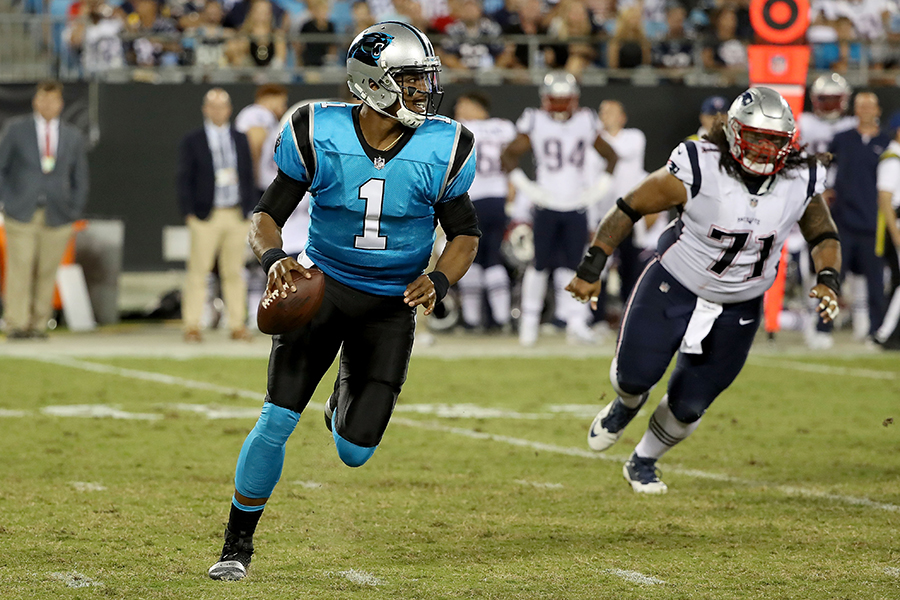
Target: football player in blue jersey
[380,175]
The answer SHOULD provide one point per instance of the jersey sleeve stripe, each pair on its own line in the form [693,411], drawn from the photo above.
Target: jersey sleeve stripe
[811,187]
[695,168]
[302,123]
[450,166]
[464,147]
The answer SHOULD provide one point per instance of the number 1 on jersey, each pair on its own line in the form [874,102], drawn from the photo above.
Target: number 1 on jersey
[372,192]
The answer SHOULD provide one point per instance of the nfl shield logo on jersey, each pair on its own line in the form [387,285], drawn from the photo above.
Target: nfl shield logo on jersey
[379,162]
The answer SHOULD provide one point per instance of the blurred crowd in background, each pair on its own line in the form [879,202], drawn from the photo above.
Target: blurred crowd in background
[98,35]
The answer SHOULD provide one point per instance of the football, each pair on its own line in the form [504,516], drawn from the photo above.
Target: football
[280,315]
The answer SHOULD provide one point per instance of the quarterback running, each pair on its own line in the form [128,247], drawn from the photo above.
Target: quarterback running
[381,175]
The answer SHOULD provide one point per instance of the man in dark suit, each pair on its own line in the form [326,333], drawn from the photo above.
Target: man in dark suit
[216,193]
[43,190]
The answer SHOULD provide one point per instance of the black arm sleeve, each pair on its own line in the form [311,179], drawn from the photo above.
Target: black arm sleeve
[457,216]
[281,198]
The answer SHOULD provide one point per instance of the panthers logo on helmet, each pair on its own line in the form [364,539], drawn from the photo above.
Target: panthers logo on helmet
[278,139]
[370,47]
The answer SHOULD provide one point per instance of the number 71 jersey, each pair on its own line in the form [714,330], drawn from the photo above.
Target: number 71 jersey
[726,244]
[372,217]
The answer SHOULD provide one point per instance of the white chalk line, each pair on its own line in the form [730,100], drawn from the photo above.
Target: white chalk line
[74,579]
[568,451]
[360,577]
[796,365]
[635,577]
[581,453]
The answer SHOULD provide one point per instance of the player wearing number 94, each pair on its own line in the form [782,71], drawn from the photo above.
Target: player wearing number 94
[380,176]
[739,192]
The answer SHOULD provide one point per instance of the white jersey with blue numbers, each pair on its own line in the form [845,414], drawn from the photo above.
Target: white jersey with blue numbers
[561,149]
[372,217]
[491,137]
[728,240]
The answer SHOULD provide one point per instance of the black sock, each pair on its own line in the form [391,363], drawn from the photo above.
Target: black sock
[242,523]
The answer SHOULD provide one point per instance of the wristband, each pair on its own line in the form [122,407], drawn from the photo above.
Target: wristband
[270,257]
[831,278]
[441,285]
[592,265]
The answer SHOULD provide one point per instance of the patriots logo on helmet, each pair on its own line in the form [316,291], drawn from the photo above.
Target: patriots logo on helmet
[746,98]
[370,47]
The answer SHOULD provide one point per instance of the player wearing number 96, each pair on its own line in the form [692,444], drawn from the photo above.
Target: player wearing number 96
[380,175]
[739,191]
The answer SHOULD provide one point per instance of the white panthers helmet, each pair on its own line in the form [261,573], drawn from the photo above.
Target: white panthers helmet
[380,54]
[760,130]
[559,94]
[830,96]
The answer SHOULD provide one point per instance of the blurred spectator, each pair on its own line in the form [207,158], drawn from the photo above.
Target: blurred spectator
[629,46]
[258,121]
[316,54]
[527,20]
[362,16]
[855,205]
[723,51]
[216,194]
[93,36]
[258,43]
[152,37]
[653,15]
[571,21]
[675,50]
[713,113]
[474,41]
[843,53]
[867,16]
[43,190]
[235,17]
[205,42]
[411,12]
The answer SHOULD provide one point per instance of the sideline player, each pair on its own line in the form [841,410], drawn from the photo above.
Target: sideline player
[741,192]
[381,175]
[560,134]
[489,192]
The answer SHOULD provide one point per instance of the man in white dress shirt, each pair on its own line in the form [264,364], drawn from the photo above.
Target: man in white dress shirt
[43,190]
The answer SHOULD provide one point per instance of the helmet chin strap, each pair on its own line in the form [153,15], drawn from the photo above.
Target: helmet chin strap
[404,116]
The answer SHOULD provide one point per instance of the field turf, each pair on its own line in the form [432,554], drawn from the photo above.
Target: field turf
[116,484]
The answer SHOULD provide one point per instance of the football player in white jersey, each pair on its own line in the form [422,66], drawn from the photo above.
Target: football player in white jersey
[740,193]
[560,135]
[489,192]
[830,97]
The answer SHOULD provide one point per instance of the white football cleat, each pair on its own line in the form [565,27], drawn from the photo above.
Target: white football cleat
[641,474]
[610,422]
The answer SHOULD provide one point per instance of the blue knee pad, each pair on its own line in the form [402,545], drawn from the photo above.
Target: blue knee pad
[350,453]
[262,455]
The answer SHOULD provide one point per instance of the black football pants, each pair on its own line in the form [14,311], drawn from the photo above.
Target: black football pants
[377,337]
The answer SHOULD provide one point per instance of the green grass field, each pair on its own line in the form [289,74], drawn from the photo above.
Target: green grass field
[789,489]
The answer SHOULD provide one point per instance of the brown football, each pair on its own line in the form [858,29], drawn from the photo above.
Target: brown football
[280,315]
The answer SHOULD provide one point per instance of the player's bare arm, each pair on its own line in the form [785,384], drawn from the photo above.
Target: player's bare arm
[821,234]
[276,205]
[460,222]
[658,191]
[606,151]
[455,260]
[509,159]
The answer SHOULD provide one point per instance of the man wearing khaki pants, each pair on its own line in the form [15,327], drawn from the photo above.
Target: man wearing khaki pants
[43,189]
[216,193]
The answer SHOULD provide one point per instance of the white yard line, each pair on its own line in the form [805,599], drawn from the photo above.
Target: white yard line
[785,489]
[635,577]
[796,365]
[568,451]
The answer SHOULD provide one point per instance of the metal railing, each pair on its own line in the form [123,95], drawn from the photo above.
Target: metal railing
[31,48]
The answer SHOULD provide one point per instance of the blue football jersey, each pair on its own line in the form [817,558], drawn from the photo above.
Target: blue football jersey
[372,216]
